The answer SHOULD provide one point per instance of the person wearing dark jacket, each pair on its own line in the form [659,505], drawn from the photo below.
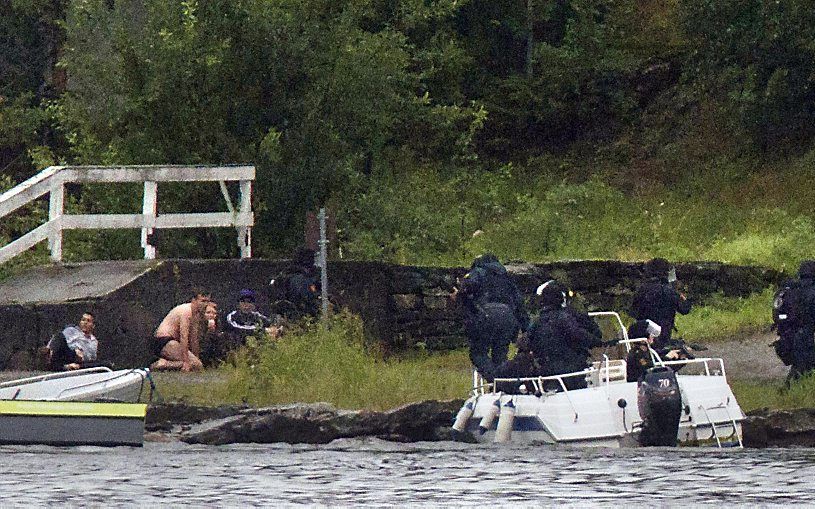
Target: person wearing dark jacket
[246,320]
[794,316]
[493,313]
[296,292]
[560,340]
[657,300]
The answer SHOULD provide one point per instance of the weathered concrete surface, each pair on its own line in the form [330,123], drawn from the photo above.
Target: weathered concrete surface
[72,282]
[320,423]
[400,305]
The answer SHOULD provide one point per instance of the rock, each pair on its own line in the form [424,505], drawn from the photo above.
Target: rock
[163,417]
[320,423]
[779,428]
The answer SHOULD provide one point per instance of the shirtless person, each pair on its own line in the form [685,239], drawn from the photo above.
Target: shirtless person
[178,335]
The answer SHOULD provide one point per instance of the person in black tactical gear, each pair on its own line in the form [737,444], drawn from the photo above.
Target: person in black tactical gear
[639,358]
[493,313]
[794,319]
[657,300]
[560,339]
[296,292]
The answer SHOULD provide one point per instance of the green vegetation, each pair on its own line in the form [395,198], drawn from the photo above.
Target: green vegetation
[318,363]
[752,395]
[435,130]
[727,318]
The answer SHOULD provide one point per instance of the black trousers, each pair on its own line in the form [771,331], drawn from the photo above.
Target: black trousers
[489,335]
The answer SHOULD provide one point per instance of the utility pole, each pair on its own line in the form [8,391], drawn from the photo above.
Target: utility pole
[323,266]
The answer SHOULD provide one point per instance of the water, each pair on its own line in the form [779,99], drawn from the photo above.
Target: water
[376,473]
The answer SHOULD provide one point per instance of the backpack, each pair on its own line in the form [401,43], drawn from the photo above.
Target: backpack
[788,307]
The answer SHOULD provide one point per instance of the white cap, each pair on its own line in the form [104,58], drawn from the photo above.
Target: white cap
[653,328]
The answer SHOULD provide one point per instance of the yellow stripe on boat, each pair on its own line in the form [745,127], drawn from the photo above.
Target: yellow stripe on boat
[73,409]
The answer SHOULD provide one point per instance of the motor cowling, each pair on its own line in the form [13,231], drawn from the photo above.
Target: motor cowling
[660,405]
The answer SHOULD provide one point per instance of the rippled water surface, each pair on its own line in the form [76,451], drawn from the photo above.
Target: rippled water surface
[372,472]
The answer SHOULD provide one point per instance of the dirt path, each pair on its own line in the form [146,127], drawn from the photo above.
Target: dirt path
[749,358]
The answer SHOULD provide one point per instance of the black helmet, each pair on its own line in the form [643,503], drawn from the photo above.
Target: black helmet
[658,267]
[484,260]
[807,269]
[552,294]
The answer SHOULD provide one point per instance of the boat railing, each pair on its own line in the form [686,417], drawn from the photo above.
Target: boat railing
[53,376]
[706,362]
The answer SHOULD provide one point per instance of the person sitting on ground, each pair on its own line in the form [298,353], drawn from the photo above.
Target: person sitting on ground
[215,344]
[246,320]
[73,348]
[178,334]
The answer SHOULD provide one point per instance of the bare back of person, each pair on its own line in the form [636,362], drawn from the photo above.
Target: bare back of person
[175,336]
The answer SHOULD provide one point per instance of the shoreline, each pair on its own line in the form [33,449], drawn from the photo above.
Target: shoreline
[321,423]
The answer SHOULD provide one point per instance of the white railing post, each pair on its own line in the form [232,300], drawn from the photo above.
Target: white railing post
[149,211]
[56,207]
[245,207]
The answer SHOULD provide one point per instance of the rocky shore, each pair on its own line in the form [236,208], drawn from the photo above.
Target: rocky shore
[320,423]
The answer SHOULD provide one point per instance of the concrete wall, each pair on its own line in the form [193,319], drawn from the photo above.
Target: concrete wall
[400,305]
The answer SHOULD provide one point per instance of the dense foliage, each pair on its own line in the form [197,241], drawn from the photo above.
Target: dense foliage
[434,129]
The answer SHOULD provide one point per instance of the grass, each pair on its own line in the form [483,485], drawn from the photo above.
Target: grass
[330,363]
[727,317]
[754,395]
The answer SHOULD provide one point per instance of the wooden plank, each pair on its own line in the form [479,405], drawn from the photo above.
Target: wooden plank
[203,220]
[56,207]
[29,190]
[94,174]
[149,209]
[102,221]
[25,242]
[115,221]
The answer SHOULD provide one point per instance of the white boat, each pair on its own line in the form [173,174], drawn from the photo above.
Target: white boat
[91,384]
[608,411]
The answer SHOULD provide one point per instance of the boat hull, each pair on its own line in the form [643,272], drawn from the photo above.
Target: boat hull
[94,385]
[608,415]
[72,423]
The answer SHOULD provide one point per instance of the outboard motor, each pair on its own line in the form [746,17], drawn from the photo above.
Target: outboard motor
[660,405]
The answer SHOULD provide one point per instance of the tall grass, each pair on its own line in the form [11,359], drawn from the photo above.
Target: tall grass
[329,363]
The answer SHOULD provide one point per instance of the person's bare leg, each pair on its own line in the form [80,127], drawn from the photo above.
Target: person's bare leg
[165,365]
[172,357]
[195,363]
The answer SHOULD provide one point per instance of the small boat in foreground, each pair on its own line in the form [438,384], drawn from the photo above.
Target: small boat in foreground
[93,406]
[71,423]
[695,408]
[91,384]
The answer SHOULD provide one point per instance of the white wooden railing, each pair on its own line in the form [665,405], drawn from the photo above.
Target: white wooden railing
[52,181]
